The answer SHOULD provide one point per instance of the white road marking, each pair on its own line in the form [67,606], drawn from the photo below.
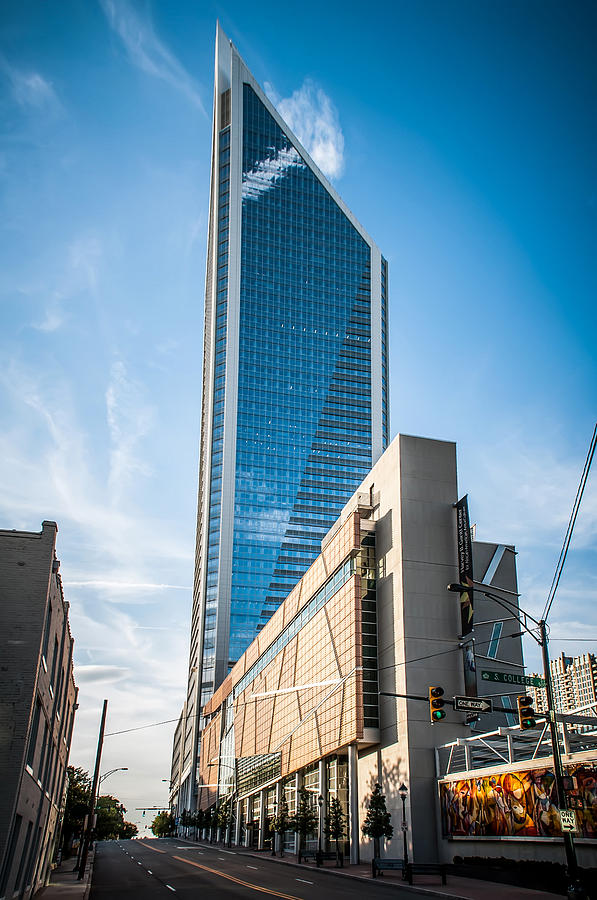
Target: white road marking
[149,872]
[251,867]
[170,888]
[303,880]
[221,857]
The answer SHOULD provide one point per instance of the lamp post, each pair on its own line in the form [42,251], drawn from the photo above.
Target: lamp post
[111,772]
[403,791]
[575,888]
[320,805]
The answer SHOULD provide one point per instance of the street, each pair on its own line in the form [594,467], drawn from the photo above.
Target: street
[159,868]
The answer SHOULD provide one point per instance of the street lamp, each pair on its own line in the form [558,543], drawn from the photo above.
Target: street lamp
[111,772]
[575,887]
[320,805]
[403,791]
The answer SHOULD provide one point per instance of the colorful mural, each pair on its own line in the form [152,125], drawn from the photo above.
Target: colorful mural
[518,804]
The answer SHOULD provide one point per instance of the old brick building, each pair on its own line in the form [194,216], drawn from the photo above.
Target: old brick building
[37,706]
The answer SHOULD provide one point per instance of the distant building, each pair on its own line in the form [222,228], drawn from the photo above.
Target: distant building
[302,708]
[37,707]
[574,680]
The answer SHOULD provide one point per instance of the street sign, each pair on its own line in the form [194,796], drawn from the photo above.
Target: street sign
[568,820]
[511,678]
[473,704]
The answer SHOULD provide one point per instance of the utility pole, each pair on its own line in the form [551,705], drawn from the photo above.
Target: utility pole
[91,811]
[575,890]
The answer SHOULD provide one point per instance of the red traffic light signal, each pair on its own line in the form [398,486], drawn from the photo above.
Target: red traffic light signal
[526,713]
[436,713]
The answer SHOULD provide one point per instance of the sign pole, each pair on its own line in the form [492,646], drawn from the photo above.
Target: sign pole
[571,861]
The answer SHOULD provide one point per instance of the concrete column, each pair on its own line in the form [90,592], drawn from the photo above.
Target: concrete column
[237,823]
[262,811]
[353,804]
[277,838]
[298,782]
[323,793]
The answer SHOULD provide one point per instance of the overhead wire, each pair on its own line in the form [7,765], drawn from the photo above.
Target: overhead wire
[568,536]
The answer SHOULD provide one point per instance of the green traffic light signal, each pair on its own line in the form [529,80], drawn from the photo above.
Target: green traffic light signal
[436,713]
[526,713]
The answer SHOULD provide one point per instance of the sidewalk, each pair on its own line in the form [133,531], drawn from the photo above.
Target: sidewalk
[64,883]
[457,888]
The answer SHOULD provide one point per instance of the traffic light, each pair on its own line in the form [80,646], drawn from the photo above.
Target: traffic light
[436,713]
[526,713]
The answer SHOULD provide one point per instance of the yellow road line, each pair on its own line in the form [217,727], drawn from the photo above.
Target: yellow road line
[155,849]
[254,887]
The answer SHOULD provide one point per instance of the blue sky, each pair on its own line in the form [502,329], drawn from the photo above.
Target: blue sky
[461,134]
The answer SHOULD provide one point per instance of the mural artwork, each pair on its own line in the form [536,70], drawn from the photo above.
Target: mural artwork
[518,804]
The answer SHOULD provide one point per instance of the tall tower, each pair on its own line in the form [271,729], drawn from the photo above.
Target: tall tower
[295,406]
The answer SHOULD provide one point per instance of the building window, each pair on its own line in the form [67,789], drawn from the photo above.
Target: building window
[494,641]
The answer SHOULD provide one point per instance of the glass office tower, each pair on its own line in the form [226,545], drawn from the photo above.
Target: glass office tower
[295,406]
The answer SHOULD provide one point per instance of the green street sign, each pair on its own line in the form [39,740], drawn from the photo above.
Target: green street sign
[510,678]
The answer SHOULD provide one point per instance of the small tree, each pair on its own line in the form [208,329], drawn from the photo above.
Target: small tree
[280,824]
[377,822]
[304,821]
[198,821]
[224,813]
[77,806]
[335,825]
[163,824]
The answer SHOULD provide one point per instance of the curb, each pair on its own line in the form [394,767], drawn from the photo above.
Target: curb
[89,873]
[427,892]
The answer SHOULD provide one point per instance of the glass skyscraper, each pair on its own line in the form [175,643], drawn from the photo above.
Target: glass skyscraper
[295,397]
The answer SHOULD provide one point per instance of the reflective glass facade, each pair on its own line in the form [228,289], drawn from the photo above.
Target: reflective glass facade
[295,374]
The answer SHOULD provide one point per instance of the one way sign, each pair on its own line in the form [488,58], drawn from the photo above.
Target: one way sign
[473,704]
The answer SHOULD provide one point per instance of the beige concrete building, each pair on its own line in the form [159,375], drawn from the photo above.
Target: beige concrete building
[37,707]
[302,707]
[574,681]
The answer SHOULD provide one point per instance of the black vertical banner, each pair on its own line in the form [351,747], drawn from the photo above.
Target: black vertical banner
[465,577]
[465,566]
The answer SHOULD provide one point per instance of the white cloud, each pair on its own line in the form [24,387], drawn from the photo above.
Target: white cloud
[129,420]
[78,274]
[269,171]
[314,119]
[146,51]
[100,673]
[30,89]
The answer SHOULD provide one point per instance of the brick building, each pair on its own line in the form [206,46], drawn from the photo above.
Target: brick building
[37,707]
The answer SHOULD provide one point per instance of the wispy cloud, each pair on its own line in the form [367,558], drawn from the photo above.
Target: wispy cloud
[147,51]
[314,119]
[129,419]
[127,585]
[78,274]
[30,89]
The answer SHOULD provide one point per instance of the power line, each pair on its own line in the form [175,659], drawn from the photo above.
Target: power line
[570,529]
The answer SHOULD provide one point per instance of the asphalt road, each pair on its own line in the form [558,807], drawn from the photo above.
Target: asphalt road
[160,868]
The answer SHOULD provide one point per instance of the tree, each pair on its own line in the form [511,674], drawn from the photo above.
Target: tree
[110,823]
[224,814]
[335,825]
[199,820]
[377,822]
[76,807]
[163,824]
[304,821]
[280,824]
[128,830]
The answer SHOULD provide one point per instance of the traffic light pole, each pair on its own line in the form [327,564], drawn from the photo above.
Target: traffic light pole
[575,888]
[571,861]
